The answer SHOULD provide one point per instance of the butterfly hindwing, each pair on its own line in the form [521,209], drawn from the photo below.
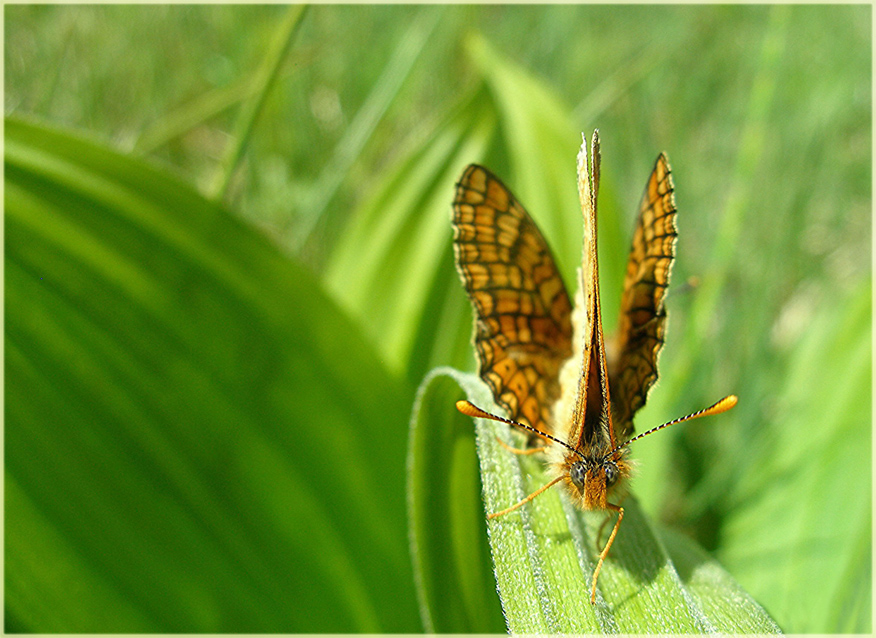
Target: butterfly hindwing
[523,327]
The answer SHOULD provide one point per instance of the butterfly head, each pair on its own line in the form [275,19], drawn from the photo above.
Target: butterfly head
[592,478]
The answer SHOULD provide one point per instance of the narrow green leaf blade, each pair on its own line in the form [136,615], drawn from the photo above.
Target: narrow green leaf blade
[448,532]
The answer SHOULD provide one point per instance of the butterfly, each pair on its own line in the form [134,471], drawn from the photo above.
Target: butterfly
[547,365]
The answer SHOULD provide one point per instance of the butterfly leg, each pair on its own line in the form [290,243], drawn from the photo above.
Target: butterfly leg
[602,529]
[604,523]
[527,499]
[620,517]
[515,450]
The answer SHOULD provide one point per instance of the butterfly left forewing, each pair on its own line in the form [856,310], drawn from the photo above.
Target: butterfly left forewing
[643,316]
[523,327]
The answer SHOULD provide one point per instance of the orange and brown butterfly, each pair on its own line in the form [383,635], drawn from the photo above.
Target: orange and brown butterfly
[549,367]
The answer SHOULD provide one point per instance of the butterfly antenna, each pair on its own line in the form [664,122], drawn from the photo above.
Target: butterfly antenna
[470,409]
[721,406]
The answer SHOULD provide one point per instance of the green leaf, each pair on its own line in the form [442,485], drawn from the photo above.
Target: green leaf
[808,474]
[197,439]
[541,141]
[455,583]
[545,552]
[397,287]
[349,149]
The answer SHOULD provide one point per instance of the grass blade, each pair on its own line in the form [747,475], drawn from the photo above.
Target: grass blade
[363,125]
[266,76]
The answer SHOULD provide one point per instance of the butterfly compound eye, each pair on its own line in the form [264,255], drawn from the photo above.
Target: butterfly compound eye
[578,473]
[611,473]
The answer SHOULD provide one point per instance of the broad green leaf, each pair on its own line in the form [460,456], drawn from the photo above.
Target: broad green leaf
[545,552]
[197,439]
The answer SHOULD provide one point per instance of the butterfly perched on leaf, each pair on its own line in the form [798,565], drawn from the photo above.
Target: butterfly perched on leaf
[546,364]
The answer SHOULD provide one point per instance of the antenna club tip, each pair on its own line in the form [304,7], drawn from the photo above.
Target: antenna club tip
[468,409]
[724,404]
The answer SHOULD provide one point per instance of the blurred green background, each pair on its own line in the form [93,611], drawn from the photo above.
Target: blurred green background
[228,267]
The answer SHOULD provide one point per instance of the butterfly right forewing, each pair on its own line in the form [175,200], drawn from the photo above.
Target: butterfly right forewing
[643,316]
[523,327]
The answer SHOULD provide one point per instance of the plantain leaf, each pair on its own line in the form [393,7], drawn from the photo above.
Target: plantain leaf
[544,553]
[191,424]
